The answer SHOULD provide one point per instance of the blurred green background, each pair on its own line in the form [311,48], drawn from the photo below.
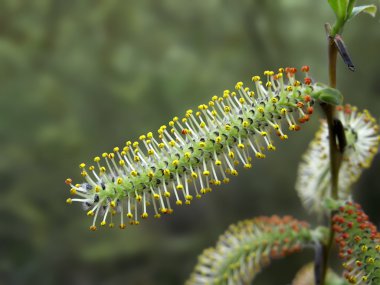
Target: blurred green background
[80,77]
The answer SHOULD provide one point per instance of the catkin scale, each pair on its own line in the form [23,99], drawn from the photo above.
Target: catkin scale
[191,154]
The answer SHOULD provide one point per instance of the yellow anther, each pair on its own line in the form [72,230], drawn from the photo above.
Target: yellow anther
[150,151]
[166,172]
[241,100]
[135,144]
[84,173]
[179,202]
[289,88]
[149,135]
[202,144]
[284,137]
[281,70]
[189,197]
[136,158]
[187,202]
[202,125]
[97,159]
[179,187]
[97,189]
[172,143]
[279,75]
[260,109]
[268,84]
[91,168]
[104,154]
[227,127]
[218,162]
[248,165]
[161,145]
[255,78]
[274,100]
[234,172]
[144,215]
[206,173]
[123,226]
[69,201]
[103,223]
[175,162]
[102,169]
[226,180]
[370,260]
[198,114]
[138,198]
[214,98]
[171,124]
[167,194]
[240,145]
[245,124]
[175,119]
[263,133]
[231,154]
[187,155]
[292,127]
[156,196]
[239,85]
[271,147]
[130,215]
[119,180]
[297,83]
[194,175]
[364,248]
[93,228]
[283,111]
[90,213]
[111,155]
[82,165]
[260,155]
[113,204]
[134,173]
[227,109]
[218,139]
[233,94]
[73,191]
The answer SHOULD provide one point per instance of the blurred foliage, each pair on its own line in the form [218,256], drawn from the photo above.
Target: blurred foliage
[79,77]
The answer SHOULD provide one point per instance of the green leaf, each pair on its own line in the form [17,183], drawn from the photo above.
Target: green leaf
[339,7]
[369,9]
[329,95]
[350,7]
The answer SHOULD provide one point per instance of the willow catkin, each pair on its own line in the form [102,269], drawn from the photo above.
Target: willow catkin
[190,154]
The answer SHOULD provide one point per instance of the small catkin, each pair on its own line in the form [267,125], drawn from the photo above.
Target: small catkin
[248,246]
[362,137]
[359,244]
[191,154]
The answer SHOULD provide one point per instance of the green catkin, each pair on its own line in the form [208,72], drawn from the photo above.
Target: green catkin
[193,153]
[248,246]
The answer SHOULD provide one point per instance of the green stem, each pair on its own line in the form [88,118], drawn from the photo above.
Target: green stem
[335,154]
